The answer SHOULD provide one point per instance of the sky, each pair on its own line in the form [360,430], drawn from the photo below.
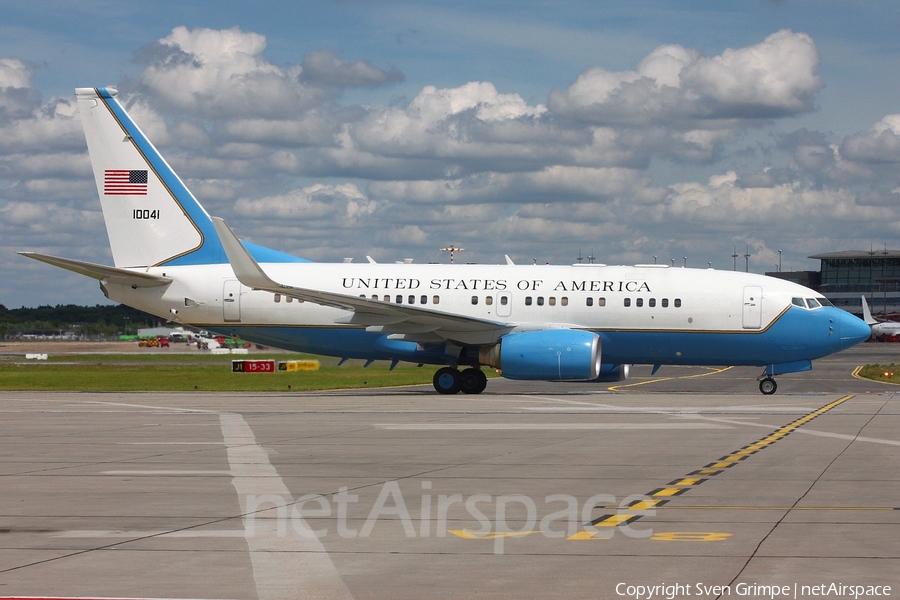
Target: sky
[678,132]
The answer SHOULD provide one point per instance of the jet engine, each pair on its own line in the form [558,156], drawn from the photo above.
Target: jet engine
[550,354]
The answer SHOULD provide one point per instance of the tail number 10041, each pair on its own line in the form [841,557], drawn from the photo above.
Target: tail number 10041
[145,213]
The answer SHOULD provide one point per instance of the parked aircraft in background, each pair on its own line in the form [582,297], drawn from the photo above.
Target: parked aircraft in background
[879,328]
[584,322]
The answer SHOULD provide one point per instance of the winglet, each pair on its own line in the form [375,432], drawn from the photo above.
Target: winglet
[245,267]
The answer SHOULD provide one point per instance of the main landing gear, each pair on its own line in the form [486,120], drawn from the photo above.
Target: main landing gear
[448,380]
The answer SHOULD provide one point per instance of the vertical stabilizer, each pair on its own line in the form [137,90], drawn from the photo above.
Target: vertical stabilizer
[151,217]
[867,314]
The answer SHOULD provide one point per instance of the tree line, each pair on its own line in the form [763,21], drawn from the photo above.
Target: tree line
[92,321]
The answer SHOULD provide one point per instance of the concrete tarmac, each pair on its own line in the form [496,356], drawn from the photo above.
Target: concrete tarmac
[689,483]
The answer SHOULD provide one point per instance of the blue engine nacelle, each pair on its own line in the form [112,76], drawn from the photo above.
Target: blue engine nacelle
[551,354]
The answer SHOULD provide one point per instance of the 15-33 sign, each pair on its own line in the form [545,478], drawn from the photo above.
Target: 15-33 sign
[253,366]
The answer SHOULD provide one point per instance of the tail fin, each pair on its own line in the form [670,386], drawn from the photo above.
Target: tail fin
[151,217]
[867,314]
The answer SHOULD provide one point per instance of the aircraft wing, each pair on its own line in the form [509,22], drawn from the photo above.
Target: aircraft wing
[101,272]
[392,318]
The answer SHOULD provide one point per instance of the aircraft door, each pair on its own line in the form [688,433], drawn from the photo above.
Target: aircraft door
[231,301]
[504,304]
[752,314]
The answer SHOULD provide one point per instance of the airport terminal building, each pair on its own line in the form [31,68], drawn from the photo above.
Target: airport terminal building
[847,275]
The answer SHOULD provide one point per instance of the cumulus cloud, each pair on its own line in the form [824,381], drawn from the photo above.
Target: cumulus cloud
[722,203]
[17,97]
[881,144]
[316,202]
[222,73]
[447,122]
[678,86]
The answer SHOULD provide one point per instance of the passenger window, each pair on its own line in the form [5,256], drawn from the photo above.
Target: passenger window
[423,299]
[639,302]
[387,298]
[474,300]
[489,300]
[399,299]
[374,296]
[504,300]
[651,302]
[289,299]
[552,300]
[435,299]
[564,301]
[277,297]
[677,302]
[527,300]
[589,301]
[540,300]
[601,301]
[627,302]
[665,303]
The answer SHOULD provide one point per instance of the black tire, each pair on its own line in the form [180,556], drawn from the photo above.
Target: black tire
[768,386]
[472,381]
[447,380]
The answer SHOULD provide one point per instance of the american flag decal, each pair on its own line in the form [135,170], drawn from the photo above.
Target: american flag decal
[122,182]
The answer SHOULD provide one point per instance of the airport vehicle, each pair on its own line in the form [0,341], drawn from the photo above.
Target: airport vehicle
[880,329]
[585,322]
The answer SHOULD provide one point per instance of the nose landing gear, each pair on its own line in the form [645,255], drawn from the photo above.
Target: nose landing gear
[767,385]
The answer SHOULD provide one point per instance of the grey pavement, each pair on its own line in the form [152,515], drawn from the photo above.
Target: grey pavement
[530,490]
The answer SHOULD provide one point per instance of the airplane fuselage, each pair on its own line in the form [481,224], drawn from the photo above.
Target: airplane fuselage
[645,314]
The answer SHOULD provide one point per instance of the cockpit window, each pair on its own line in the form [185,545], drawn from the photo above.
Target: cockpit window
[824,301]
[813,303]
[798,302]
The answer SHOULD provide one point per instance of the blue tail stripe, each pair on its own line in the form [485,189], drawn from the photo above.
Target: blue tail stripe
[210,250]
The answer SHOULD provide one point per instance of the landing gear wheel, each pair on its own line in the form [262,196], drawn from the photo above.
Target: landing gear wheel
[447,380]
[768,386]
[472,381]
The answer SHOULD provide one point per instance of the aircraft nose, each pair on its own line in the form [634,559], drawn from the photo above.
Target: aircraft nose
[853,329]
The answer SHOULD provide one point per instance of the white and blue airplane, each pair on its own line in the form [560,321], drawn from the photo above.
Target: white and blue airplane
[879,328]
[584,322]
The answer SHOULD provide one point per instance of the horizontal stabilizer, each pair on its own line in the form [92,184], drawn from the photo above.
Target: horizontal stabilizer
[101,272]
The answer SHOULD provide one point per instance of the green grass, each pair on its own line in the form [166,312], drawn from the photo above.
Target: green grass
[886,373]
[180,372]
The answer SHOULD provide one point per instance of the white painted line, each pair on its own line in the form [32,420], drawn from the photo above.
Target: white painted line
[541,426]
[167,472]
[162,533]
[164,409]
[840,436]
[285,564]
[170,444]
